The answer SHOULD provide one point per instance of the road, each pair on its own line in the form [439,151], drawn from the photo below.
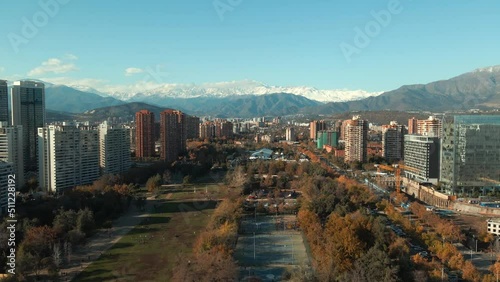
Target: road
[481,260]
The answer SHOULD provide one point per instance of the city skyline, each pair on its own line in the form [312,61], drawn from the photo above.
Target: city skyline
[274,43]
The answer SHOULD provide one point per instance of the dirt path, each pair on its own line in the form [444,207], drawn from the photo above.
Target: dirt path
[103,240]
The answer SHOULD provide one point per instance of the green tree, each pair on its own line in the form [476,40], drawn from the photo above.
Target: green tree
[374,265]
[76,237]
[64,221]
[85,222]
[30,185]
[186,180]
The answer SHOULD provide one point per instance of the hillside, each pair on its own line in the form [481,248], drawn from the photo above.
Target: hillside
[477,89]
[125,111]
[67,99]
[237,106]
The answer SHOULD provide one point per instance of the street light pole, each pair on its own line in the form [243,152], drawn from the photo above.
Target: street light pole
[254,246]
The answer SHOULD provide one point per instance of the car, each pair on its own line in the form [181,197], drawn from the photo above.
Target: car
[424,254]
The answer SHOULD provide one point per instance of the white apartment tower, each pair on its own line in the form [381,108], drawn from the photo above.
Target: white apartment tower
[11,149]
[356,135]
[290,134]
[68,157]
[114,149]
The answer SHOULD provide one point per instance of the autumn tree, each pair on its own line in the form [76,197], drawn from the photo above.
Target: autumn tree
[470,272]
[238,178]
[495,269]
[154,183]
[36,248]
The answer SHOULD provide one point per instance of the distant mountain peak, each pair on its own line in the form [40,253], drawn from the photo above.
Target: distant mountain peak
[490,69]
[238,88]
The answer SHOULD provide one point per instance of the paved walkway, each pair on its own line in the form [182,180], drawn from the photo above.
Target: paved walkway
[96,245]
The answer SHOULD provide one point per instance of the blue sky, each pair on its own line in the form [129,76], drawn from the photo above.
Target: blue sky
[278,42]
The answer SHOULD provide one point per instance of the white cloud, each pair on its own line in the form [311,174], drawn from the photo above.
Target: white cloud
[132,71]
[2,69]
[70,57]
[55,65]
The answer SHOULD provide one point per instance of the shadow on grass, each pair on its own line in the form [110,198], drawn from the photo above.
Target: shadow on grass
[94,275]
[108,256]
[120,245]
[187,206]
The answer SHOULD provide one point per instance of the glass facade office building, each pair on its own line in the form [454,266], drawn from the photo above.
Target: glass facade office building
[470,153]
[327,137]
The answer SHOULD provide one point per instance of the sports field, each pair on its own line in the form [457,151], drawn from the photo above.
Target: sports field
[268,246]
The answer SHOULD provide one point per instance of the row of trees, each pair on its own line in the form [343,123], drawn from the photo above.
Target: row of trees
[212,258]
[438,237]
[49,228]
[346,243]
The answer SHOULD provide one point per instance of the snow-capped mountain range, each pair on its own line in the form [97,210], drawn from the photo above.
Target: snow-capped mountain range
[225,89]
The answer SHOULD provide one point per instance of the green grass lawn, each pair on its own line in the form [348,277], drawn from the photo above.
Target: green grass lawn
[150,251]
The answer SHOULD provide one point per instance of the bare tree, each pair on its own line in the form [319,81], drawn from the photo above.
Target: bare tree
[68,251]
[57,255]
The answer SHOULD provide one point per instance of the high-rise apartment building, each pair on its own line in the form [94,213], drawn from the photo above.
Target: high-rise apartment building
[192,127]
[6,172]
[393,141]
[172,134]
[422,153]
[356,134]
[68,157]
[429,127]
[412,126]
[11,149]
[216,129]
[28,110]
[470,153]
[207,130]
[4,104]
[114,149]
[223,129]
[314,127]
[144,134]
[290,134]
